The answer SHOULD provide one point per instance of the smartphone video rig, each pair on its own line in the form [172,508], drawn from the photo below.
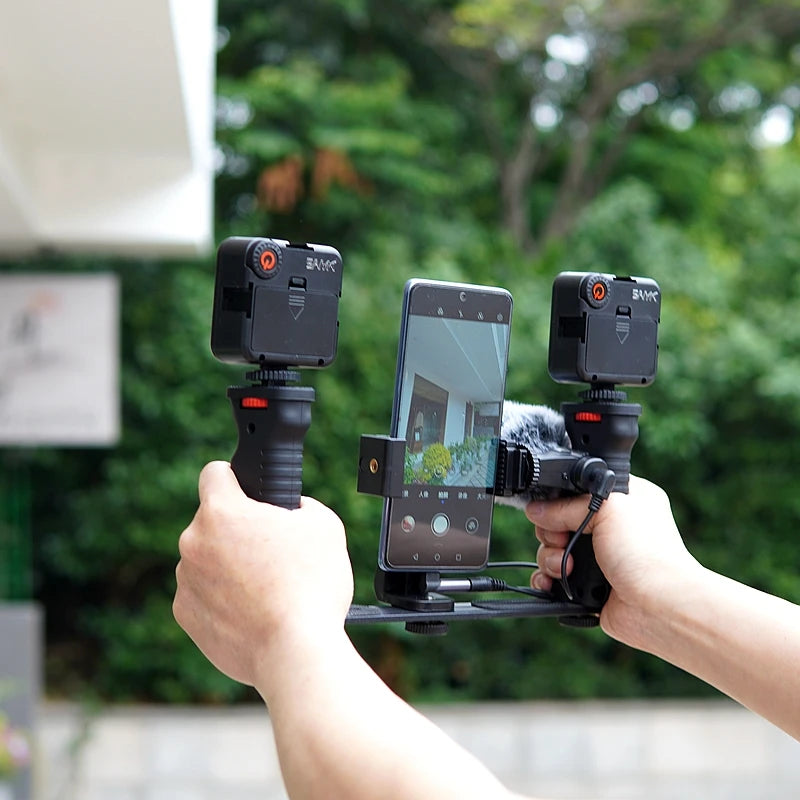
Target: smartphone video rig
[276,305]
[604,331]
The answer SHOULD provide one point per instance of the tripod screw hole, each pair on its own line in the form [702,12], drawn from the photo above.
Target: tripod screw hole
[374,466]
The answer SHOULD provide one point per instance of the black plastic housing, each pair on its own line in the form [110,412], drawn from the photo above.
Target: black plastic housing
[604,329]
[272,422]
[380,465]
[276,303]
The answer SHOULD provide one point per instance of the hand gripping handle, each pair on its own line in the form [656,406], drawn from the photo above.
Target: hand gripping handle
[607,429]
[272,422]
[588,584]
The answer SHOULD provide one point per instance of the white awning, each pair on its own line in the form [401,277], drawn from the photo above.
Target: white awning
[106,125]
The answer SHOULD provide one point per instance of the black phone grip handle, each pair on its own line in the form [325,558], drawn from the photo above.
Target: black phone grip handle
[607,427]
[272,422]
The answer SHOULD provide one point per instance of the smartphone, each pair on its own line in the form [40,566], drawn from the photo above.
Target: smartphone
[448,405]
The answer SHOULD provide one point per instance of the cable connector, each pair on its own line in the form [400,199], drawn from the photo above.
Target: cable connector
[593,476]
[602,480]
[479,584]
[485,584]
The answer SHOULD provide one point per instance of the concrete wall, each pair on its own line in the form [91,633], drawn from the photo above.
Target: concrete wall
[704,750]
[21,645]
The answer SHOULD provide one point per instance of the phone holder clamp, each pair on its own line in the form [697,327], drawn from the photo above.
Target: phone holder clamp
[412,596]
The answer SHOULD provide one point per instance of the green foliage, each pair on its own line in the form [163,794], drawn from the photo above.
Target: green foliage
[429,466]
[426,107]
[409,467]
[471,451]
[436,463]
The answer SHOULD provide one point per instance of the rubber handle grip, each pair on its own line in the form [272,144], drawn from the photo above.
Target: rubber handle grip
[272,422]
[587,582]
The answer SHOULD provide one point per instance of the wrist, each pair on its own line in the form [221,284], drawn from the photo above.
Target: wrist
[647,621]
[296,656]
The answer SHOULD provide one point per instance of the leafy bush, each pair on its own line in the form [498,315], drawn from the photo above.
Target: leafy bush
[436,463]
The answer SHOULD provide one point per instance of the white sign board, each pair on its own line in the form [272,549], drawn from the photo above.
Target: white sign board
[59,359]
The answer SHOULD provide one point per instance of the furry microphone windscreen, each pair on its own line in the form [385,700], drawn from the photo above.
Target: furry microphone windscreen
[540,429]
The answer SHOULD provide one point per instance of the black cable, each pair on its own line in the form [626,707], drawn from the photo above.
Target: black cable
[498,585]
[530,592]
[519,589]
[594,505]
[572,542]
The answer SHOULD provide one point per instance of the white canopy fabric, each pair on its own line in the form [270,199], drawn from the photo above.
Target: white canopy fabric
[106,125]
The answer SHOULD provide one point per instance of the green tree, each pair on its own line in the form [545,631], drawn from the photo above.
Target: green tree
[569,88]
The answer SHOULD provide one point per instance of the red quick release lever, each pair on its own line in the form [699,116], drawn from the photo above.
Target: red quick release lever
[254,402]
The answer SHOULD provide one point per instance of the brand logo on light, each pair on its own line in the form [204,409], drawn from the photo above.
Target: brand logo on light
[321,264]
[647,295]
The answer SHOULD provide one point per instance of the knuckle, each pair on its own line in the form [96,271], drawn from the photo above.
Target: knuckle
[186,544]
[178,609]
[212,508]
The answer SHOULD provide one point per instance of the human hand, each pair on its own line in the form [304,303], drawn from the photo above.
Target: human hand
[637,546]
[254,578]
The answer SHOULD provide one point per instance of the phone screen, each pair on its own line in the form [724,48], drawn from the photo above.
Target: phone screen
[448,406]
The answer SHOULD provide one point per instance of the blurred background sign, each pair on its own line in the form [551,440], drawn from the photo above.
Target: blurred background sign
[106,126]
[59,359]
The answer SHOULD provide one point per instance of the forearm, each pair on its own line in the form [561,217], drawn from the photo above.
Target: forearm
[742,641]
[342,734]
